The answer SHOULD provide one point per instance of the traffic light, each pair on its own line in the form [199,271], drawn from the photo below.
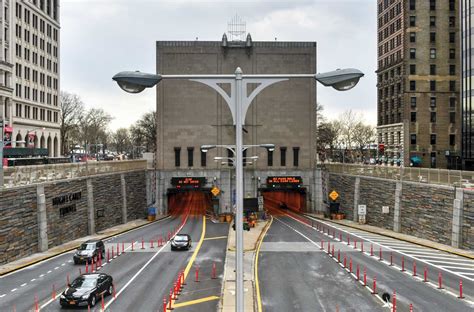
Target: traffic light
[381,148]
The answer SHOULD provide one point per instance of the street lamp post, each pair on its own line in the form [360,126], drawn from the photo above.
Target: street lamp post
[238,102]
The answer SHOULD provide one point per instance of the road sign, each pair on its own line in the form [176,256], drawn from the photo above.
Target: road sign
[385,209]
[362,210]
[334,195]
[215,191]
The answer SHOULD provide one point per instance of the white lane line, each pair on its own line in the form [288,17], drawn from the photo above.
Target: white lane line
[70,261]
[454,261]
[1,296]
[41,275]
[63,264]
[56,268]
[14,289]
[468,274]
[23,285]
[429,257]
[48,272]
[457,268]
[409,247]
[423,252]
[33,279]
[400,252]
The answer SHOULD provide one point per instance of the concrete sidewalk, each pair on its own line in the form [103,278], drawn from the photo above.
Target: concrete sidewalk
[399,236]
[55,251]
[251,239]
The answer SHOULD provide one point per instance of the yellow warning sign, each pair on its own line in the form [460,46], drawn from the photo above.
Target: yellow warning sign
[333,195]
[215,191]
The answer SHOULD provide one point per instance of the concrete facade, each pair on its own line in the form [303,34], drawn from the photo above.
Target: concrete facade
[418,111]
[191,114]
[29,72]
[37,217]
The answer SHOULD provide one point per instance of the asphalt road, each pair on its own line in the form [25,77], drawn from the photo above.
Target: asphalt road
[409,289]
[142,277]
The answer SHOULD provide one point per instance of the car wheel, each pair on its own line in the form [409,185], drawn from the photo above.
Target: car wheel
[92,300]
[110,290]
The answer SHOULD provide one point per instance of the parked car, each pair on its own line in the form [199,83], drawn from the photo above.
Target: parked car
[88,251]
[86,290]
[181,241]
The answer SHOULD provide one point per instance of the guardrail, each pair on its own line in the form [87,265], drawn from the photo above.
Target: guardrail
[425,175]
[24,175]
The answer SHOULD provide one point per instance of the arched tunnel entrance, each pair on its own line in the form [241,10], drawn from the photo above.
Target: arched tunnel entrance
[284,192]
[188,195]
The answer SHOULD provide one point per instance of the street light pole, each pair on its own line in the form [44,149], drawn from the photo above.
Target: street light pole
[238,102]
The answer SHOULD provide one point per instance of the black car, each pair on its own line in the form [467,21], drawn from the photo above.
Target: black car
[88,251]
[86,290]
[181,241]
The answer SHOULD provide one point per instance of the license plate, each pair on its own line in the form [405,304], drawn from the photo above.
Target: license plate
[72,302]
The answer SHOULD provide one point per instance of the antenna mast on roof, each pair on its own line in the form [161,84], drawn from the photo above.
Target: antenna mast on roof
[237,29]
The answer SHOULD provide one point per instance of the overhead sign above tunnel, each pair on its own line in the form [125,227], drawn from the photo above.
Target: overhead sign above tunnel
[284,181]
[188,182]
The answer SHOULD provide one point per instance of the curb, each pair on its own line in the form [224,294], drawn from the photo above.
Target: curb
[76,246]
[392,236]
[220,307]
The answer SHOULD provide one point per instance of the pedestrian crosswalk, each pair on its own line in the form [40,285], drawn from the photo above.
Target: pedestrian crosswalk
[458,265]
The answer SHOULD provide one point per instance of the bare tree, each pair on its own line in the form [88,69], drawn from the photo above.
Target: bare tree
[121,140]
[363,135]
[93,124]
[72,109]
[144,131]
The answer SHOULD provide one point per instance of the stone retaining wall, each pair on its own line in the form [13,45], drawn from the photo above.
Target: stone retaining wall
[70,211]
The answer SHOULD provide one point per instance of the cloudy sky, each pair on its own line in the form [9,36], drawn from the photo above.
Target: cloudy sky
[102,37]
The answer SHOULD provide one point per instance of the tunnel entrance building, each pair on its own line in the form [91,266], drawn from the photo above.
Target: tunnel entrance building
[189,193]
[284,193]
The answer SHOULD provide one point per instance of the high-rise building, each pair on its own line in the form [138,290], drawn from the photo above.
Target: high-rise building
[29,72]
[467,68]
[418,116]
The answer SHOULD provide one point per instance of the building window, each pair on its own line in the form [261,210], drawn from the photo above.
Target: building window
[433,117]
[413,116]
[412,37]
[412,85]
[452,21]
[433,139]
[283,156]
[432,5]
[452,85]
[452,102]
[452,54]
[432,69]
[432,53]
[452,70]
[244,157]
[432,102]
[412,53]
[452,117]
[452,5]
[269,158]
[177,156]
[433,21]
[433,159]
[296,152]
[432,37]
[412,21]
[412,4]
[190,156]
[452,139]
[412,139]
[432,85]
[452,37]
[413,102]
[412,69]
[203,159]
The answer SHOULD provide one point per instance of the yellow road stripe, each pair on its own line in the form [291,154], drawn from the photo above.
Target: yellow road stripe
[196,251]
[218,237]
[257,285]
[187,303]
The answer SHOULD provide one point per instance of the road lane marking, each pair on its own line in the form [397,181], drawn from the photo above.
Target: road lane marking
[33,279]
[188,303]
[23,285]
[48,272]
[143,267]
[212,238]
[193,257]
[1,296]
[56,268]
[63,264]
[14,289]
[41,275]
[257,253]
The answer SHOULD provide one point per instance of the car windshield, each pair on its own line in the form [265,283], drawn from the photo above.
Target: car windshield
[181,238]
[87,247]
[84,282]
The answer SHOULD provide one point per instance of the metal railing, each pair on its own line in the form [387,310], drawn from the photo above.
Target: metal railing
[424,175]
[25,175]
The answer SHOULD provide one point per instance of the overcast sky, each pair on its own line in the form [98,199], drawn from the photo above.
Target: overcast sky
[102,37]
